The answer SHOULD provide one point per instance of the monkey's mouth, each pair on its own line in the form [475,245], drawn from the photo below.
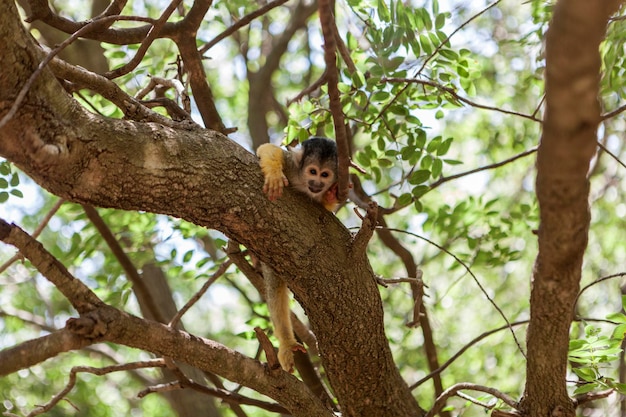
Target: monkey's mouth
[315,189]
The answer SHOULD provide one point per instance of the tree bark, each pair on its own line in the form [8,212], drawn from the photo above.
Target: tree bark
[568,144]
[203,177]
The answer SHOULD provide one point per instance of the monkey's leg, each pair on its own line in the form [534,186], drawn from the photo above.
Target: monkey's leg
[271,161]
[277,296]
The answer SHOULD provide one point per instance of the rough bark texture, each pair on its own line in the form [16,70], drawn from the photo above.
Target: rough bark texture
[209,180]
[567,145]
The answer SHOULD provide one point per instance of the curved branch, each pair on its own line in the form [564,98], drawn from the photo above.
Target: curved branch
[453,390]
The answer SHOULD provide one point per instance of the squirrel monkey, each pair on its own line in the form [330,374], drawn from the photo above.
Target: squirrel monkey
[311,170]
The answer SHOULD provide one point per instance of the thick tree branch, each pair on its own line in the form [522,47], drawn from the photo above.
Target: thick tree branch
[35,351]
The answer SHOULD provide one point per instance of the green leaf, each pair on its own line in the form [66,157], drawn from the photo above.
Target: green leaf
[419,176]
[440,21]
[619,332]
[585,388]
[383,11]
[5,168]
[187,256]
[15,180]
[437,167]
[4,196]
[586,374]
[405,199]
[444,147]
[4,183]
[420,190]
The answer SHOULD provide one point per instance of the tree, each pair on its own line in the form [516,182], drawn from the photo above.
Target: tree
[57,129]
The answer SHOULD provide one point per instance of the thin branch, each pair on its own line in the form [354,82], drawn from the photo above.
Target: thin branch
[604,148]
[228,396]
[454,32]
[592,396]
[270,353]
[469,271]
[453,93]
[443,180]
[363,236]
[220,271]
[309,90]
[463,350]
[597,281]
[241,23]
[143,48]
[453,390]
[160,363]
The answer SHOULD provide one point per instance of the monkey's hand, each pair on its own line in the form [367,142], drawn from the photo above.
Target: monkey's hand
[271,161]
[285,355]
[274,184]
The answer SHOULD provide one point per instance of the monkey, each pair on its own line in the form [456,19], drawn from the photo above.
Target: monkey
[310,170]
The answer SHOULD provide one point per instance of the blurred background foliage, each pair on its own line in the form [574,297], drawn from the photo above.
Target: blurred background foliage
[437,89]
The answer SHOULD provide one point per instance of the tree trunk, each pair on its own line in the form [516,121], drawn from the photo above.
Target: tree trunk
[567,145]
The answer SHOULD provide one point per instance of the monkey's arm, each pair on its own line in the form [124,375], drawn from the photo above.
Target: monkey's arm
[272,163]
[277,296]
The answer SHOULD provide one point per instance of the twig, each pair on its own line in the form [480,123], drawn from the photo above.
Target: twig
[591,396]
[228,396]
[604,148]
[454,94]
[441,400]
[469,271]
[268,348]
[132,108]
[241,23]
[363,236]
[597,281]
[308,90]
[155,363]
[454,32]
[220,271]
[483,168]
[143,48]
[463,350]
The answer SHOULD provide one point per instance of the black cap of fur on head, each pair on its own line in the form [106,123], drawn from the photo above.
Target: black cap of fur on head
[321,149]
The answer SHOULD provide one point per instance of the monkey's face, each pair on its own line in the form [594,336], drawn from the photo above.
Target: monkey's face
[317,179]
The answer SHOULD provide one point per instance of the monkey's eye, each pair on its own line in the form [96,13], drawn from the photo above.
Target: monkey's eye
[313,171]
[324,174]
